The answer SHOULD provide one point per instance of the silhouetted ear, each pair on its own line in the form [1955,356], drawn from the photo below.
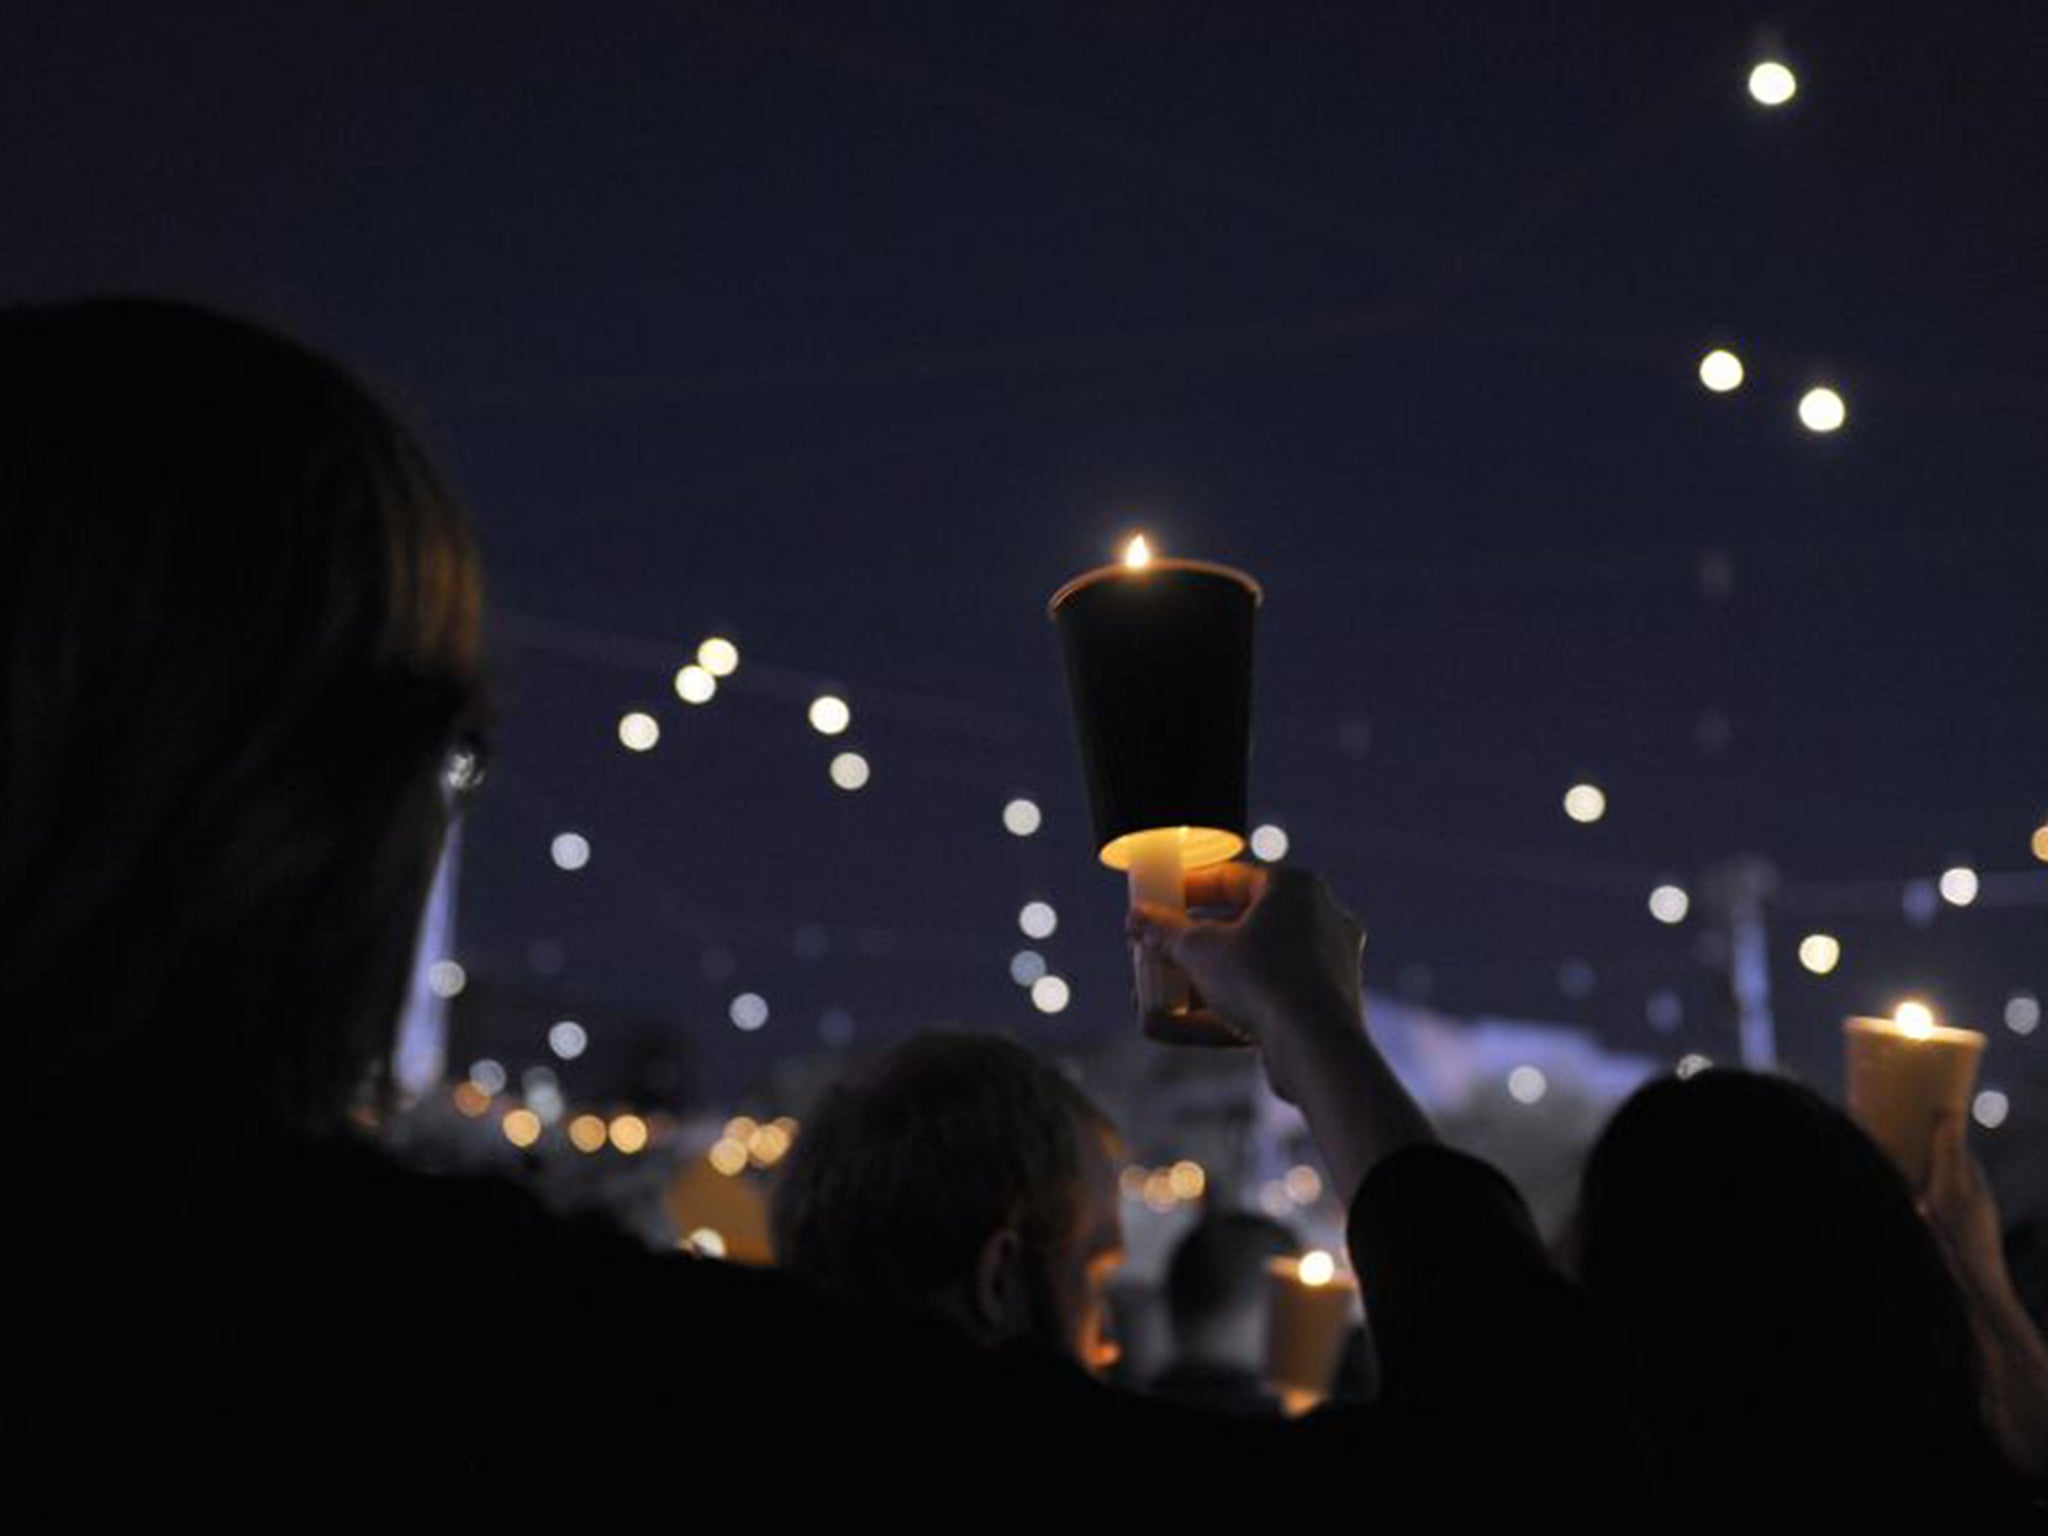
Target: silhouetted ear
[1001,1298]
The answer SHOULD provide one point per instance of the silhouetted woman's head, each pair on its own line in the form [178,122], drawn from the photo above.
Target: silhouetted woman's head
[1792,1312]
[238,635]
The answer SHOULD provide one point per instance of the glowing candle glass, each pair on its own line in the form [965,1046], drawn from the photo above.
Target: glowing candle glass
[1903,1073]
[1309,1308]
[1159,668]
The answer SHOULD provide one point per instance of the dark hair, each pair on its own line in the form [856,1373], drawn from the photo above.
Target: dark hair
[915,1159]
[1219,1268]
[240,626]
[1795,1321]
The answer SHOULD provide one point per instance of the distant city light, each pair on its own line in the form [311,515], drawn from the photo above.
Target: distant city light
[471,1100]
[1303,1184]
[1317,1268]
[749,1011]
[1669,904]
[1990,1108]
[695,684]
[830,715]
[1721,371]
[588,1133]
[1187,1179]
[729,1156]
[522,1127]
[1820,952]
[849,771]
[1577,979]
[1049,994]
[769,1145]
[1527,1085]
[2039,842]
[1021,817]
[629,1133]
[638,731]
[1585,803]
[1772,83]
[1026,966]
[1920,901]
[1959,885]
[488,1075]
[719,657]
[1038,920]
[1822,410]
[2022,1013]
[1269,843]
[446,978]
[568,1039]
[569,850]
[1692,1064]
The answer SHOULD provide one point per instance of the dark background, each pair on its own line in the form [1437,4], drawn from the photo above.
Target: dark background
[850,332]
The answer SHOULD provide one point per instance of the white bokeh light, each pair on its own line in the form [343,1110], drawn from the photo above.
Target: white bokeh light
[1527,1085]
[568,1039]
[447,978]
[718,656]
[1585,803]
[1038,920]
[830,715]
[1721,371]
[1820,952]
[849,771]
[639,731]
[1691,1064]
[1822,410]
[1026,966]
[1269,843]
[1021,817]
[695,685]
[1958,885]
[1990,1108]
[488,1075]
[1772,83]
[1050,994]
[569,850]
[749,1011]
[1669,904]
[2023,1013]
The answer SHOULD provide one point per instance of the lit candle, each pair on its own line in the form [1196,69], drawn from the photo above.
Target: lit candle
[1159,666]
[1903,1073]
[1310,1306]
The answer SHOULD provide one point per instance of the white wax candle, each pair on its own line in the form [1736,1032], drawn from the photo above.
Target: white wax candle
[1159,879]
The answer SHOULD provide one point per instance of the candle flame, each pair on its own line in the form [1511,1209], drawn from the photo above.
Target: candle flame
[1915,1018]
[1137,553]
[1317,1268]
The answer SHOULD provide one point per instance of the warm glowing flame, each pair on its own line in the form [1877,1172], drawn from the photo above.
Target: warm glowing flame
[1915,1018]
[1317,1268]
[1137,553]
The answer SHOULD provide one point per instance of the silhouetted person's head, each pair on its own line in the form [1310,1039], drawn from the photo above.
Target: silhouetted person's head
[1793,1316]
[960,1174]
[1217,1285]
[238,635]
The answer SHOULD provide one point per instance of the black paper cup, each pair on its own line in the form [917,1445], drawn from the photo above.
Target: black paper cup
[1159,673]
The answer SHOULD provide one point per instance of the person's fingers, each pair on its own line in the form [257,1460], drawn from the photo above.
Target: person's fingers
[1235,886]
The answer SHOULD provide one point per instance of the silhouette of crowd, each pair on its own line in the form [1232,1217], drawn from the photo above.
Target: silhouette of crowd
[244,695]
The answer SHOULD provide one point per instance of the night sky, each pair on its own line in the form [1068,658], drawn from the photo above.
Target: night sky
[850,332]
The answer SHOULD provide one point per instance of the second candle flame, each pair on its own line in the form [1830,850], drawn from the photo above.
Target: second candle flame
[1137,553]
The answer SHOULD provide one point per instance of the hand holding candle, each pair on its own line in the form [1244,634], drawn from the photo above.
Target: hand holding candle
[1905,1073]
[1159,666]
